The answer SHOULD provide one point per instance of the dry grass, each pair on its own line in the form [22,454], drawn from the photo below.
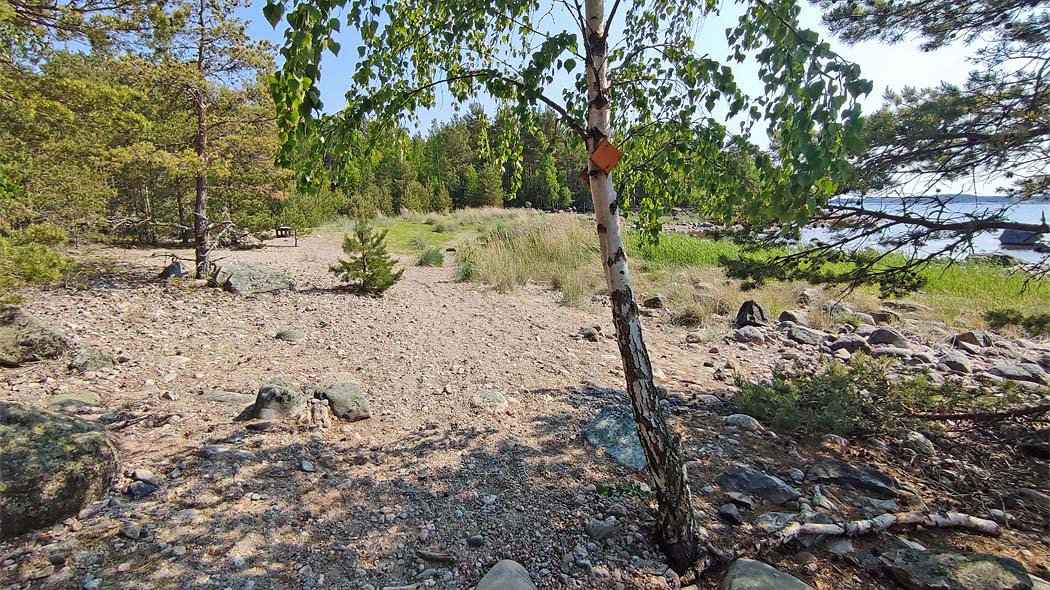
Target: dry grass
[517,247]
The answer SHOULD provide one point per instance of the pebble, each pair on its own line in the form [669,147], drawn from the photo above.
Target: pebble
[475,541]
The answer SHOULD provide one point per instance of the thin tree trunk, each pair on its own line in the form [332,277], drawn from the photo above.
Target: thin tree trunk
[184,236]
[679,535]
[200,203]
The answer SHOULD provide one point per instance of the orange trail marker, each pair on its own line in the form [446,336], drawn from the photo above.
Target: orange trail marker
[606,156]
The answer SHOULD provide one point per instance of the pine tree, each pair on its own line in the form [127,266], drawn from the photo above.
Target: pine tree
[370,270]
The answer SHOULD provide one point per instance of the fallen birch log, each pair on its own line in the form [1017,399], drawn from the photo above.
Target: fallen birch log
[881,523]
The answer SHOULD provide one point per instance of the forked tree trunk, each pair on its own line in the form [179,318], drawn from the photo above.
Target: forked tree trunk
[679,535]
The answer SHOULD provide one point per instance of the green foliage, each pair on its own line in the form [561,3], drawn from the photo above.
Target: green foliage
[1037,324]
[674,142]
[620,490]
[989,124]
[431,256]
[28,257]
[998,318]
[369,270]
[860,398]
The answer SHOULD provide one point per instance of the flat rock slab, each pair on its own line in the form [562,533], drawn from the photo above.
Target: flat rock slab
[24,338]
[955,570]
[748,480]
[802,334]
[291,335]
[615,431]
[247,278]
[488,398]
[748,574]
[865,478]
[81,401]
[51,465]
[506,575]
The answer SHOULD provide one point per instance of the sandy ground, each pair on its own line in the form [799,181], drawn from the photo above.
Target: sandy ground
[428,471]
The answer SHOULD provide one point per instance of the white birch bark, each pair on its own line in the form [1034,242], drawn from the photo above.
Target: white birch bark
[679,534]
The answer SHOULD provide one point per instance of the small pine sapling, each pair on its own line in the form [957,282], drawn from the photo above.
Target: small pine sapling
[370,270]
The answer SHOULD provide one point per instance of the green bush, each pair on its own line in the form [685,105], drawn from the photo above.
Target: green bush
[418,241]
[997,318]
[1037,324]
[28,257]
[860,398]
[431,257]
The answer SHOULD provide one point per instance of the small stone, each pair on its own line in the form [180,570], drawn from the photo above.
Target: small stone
[488,398]
[291,335]
[655,302]
[126,566]
[307,466]
[918,442]
[130,531]
[599,530]
[475,540]
[730,513]
[140,489]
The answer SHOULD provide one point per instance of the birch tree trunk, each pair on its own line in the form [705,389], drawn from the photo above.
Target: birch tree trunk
[679,535]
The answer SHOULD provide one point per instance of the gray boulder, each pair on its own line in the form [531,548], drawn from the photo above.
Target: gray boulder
[347,401]
[1019,237]
[246,278]
[748,574]
[974,337]
[957,361]
[24,339]
[751,314]
[747,480]
[804,335]
[506,575]
[1029,372]
[749,334]
[278,399]
[615,431]
[794,315]
[865,478]
[955,570]
[835,308]
[893,351]
[888,336]
[851,342]
[91,359]
[173,270]
[51,465]
[744,422]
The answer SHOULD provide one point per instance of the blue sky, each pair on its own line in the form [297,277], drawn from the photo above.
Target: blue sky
[887,66]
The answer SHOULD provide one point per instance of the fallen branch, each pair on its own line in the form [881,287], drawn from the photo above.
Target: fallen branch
[988,416]
[881,523]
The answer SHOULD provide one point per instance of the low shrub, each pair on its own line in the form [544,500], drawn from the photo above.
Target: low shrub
[861,398]
[1037,324]
[431,256]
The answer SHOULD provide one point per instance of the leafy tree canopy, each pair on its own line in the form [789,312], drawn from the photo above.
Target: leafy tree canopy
[664,94]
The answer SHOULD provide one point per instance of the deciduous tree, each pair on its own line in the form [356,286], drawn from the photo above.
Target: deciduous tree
[646,71]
